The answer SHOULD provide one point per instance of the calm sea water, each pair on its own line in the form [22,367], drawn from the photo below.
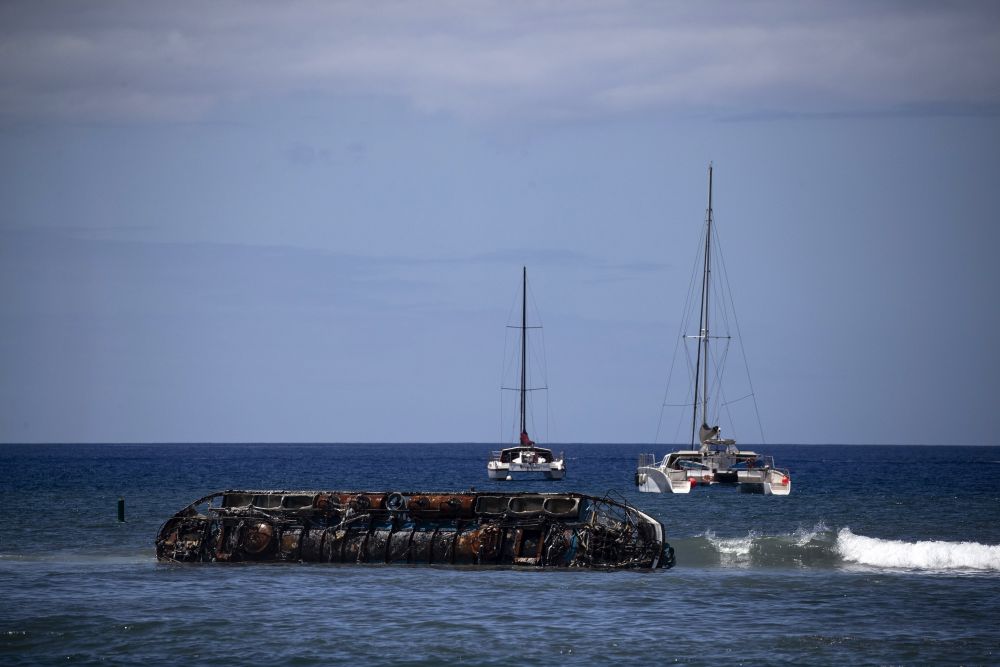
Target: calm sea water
[881,555]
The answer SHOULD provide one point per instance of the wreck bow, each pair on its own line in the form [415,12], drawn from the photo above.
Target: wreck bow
[466,528]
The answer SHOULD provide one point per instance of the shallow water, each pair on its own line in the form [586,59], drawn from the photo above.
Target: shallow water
[880,555]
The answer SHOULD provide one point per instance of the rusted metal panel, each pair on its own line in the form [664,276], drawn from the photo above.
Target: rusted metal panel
[462,528]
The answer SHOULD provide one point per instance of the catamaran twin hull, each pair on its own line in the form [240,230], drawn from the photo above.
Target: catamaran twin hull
[664,477]
[525,463]
[466,528]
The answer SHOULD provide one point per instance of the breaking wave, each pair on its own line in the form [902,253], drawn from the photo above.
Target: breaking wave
[806,547]
[821,547]
[925,555]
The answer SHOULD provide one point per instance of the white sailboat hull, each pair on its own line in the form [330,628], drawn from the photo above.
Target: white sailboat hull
[665,476]
[653,479]
[526,471]
[767,481]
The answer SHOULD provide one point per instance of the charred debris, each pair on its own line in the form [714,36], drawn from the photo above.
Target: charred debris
[569,530]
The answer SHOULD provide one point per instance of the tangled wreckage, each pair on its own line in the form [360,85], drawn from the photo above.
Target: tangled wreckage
[465,528]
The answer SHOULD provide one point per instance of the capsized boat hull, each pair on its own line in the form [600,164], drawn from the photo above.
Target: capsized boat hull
[439,528]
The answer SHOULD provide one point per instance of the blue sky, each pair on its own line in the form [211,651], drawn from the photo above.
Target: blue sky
[240,222]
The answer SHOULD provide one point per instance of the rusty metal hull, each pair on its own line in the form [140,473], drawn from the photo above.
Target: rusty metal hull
[436,528]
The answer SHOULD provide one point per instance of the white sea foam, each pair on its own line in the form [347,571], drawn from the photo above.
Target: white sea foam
[804,536]
[926,555]
[733,551]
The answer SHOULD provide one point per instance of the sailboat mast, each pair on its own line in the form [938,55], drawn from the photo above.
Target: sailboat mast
[524,343]
[707,293]
[703,326]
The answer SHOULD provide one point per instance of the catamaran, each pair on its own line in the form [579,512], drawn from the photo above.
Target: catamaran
[711,458]
[526,460]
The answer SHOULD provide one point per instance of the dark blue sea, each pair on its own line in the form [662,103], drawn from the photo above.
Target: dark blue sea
[881,555]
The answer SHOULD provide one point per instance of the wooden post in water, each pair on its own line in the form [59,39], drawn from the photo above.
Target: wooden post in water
[121,509]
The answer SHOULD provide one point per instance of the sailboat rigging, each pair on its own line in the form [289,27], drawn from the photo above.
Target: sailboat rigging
[526,460]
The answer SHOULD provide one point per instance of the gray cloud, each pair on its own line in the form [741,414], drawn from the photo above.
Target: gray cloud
[182,61]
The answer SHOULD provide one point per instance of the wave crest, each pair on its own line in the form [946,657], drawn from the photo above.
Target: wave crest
[806,547]
[821,547]
[926,555]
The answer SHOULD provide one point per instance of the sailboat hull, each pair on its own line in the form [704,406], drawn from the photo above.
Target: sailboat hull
[679,472]
[526,462]
[531,473]
[515,472]
[652,479]
[769,482]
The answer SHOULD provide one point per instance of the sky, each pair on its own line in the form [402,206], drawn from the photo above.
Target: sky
[306,221]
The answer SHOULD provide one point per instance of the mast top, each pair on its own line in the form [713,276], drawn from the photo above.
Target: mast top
[710,193]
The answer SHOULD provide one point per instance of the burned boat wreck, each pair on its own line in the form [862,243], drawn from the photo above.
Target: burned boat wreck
[465,528]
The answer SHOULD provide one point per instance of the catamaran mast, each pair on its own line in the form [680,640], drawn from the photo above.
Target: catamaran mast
[524,344]
[703,323]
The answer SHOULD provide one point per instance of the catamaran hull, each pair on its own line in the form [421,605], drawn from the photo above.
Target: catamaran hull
[525,473]
[766,488]
[651,479]
[767,482]
[464,528]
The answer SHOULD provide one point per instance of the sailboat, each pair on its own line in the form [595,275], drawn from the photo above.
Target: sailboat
[711,458]
[526,460]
